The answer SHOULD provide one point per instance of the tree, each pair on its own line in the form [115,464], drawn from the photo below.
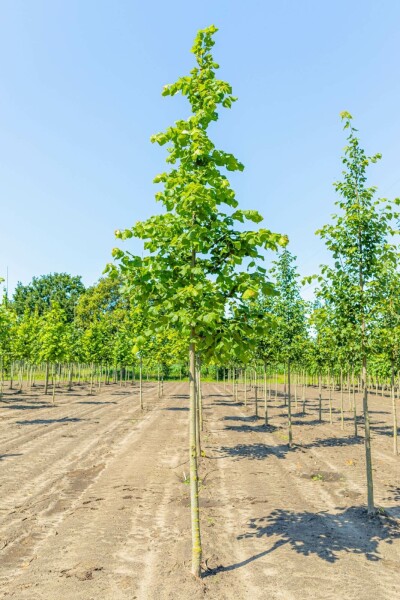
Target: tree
[7,323]
[52,339]
[289,310]
[100,299]
[39,295]
[358,241]
[387,331]
[25,338]
[190,277]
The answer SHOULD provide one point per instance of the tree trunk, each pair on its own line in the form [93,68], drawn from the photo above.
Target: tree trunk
[11,375]
[265,396]
[367,439]
[141,383]
[256,399]
[394,412]
[91,381]
[54,385]
[46,379]
[289,407]
[193,459]
[200,400]
[341,399]
[319,397]
[354,408]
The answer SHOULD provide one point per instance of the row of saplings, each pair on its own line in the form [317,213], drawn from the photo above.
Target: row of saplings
[261,386]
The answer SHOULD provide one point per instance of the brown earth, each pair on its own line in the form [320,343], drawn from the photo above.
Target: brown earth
[94,500]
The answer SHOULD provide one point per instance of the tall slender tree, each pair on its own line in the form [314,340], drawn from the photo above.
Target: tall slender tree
[190,276]
[358,239]
[289,310]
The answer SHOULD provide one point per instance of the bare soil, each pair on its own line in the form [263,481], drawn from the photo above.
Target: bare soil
[94,499]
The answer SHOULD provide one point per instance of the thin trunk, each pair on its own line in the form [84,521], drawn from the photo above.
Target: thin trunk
[265,396]
[46,379]
[198,442]
[284,387]
[256,399]
[70,378]
[1,380]
[54,385]
[141,383]
[304,392]
[354,408]
[91,381]
[11,375]
[367,439]
[341,399]
[319,397]
[200,401]
[193,459]
[394,412]
[289,407]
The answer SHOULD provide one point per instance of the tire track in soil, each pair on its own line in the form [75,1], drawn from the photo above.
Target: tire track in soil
[53,485]
[125,530]
[76,410]
[128,528]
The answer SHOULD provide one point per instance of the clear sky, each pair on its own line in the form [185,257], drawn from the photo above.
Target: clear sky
[80,96]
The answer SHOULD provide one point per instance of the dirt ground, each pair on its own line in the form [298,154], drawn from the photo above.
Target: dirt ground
[94,500]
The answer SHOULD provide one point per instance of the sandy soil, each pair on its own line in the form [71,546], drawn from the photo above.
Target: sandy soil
[94,503]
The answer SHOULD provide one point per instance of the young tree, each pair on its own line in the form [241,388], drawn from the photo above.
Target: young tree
[387,332]
[190,278]
[7,323]
[358,241]
[289,310]
[52,339]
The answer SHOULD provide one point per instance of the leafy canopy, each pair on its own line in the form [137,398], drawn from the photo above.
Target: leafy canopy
[190,277]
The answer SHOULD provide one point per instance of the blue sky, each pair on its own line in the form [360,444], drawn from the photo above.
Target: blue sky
[80,96]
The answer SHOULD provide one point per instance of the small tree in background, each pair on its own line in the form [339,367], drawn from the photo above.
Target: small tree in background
[290,314]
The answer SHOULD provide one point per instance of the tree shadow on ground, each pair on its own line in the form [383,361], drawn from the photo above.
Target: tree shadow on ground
[3,456]
[250,418]
[324,535]
[261,428]
[334,442]
[383,430]
[394,494]
[311,422]
[226,403]
[96,402]
[254,451]
[27,406]
[50,421]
